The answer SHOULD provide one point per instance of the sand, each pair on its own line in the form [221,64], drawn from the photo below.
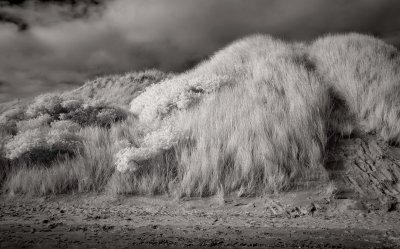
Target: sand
[294,220]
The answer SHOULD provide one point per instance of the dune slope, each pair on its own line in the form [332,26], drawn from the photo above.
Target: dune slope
[259,116]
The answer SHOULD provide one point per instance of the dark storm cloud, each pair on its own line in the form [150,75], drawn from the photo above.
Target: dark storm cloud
[19,22]
[60,48]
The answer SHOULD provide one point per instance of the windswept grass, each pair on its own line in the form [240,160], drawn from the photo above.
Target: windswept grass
[364,72]
[258,136]
[253,119]
[119,90]
[92,168]
[158,176]
[89,170]
[5,167]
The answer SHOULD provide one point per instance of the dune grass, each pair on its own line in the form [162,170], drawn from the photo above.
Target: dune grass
[258,136]
[158,176]
[253,119]
[119,90]
[88,170]
[92,169]
[5,167]
[364,72]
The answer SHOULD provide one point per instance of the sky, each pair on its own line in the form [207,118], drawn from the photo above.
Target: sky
[53,45]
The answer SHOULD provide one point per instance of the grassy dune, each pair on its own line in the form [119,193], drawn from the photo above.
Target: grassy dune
[364,72]
[255,118]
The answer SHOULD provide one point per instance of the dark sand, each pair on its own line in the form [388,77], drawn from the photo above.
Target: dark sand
[298,220]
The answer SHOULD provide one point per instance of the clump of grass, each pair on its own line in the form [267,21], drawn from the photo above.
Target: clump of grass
[5,166]
[97,115]
[157,105]
[262,123]
[254,118]
[41,180]
[260,136]
[363,71]
[60,143]
[157,176]
[9,119]
[47,128]
[160,100]
[265,128]
[43,144]
[118,90]
[89,170]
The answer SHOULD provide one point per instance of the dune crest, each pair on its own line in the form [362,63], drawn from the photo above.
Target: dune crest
[257,116]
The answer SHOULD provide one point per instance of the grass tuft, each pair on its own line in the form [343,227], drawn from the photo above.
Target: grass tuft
[253,119]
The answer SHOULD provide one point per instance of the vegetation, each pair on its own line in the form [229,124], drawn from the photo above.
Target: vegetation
[363,71]
[255,118]
[118,90]
[49,131]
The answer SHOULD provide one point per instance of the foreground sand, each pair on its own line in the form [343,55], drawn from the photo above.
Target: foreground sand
[298,220]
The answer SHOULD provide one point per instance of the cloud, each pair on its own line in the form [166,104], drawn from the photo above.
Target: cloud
[62,47]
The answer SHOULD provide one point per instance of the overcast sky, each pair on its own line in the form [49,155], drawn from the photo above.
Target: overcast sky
[47,47]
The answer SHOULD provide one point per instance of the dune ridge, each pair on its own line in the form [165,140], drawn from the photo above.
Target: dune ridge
[256,117]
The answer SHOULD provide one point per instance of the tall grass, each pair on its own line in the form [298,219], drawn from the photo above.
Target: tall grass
[157,176]
[254,118]
[89,170]
[5,167]
[261,135]
[261,130]
[92,168]
[364,71]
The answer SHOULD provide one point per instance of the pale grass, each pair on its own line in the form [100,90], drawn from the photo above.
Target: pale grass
[256,118]
[364,72]
[260,136]
[118,90]
[89,170]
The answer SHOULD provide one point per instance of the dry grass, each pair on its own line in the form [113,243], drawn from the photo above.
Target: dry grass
[261,126]
[364,72]
[261,135]
[5,167]
[158,176]
[88,170]
[118,90]
[92,168]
